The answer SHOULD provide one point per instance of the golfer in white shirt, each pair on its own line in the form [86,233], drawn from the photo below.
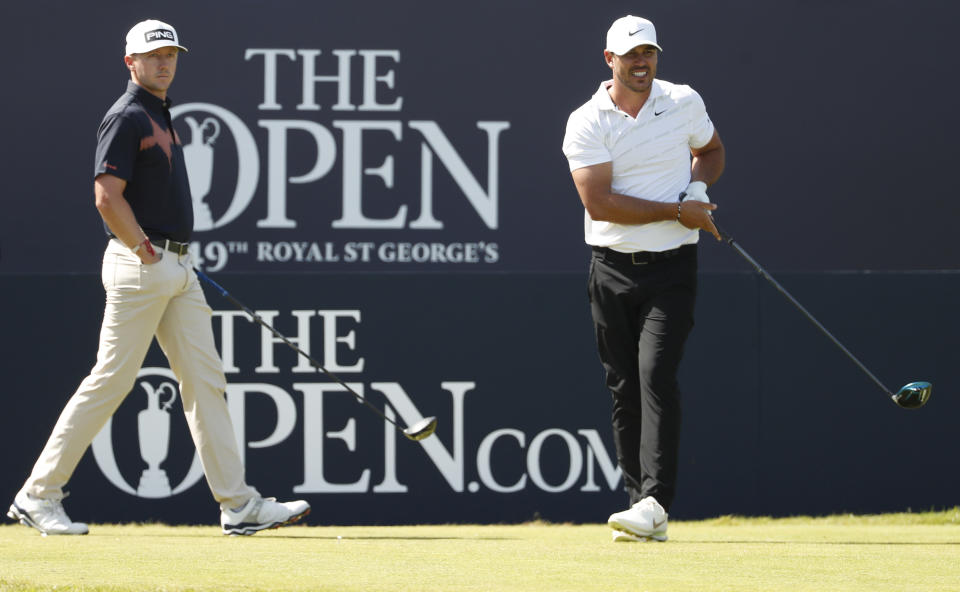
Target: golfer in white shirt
[642,153]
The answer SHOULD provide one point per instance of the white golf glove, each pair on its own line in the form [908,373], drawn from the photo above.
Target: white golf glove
[697,191]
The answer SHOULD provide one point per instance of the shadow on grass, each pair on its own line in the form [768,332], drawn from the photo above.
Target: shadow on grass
[287,534]
[735,542]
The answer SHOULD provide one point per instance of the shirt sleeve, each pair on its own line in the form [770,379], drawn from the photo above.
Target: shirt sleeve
[118,141]
[582,143]
[701,128]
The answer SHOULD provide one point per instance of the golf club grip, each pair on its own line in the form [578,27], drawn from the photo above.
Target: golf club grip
[256,318]
[729,240]
[210,281]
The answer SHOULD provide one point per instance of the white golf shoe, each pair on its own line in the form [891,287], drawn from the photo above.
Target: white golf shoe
[646,519]
[47,516]
[262,513]
[619,536]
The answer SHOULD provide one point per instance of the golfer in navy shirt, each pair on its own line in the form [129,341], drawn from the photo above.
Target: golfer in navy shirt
[142,194]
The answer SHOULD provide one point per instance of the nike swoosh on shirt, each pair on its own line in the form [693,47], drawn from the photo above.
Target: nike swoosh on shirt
[658,114]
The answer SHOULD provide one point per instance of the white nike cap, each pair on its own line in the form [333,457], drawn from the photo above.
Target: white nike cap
[148,35]
[630,31]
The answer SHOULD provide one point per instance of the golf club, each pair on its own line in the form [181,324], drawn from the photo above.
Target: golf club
[910,396]
[418,431]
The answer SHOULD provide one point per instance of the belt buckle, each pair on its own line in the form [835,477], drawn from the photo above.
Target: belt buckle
[175,247]
[633,258]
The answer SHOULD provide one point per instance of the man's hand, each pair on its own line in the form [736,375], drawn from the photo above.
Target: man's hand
[695,207]
[147,253]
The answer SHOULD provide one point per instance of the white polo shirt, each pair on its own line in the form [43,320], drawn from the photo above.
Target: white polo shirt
[650,156]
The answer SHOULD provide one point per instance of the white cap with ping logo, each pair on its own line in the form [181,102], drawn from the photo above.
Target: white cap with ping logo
[148,35]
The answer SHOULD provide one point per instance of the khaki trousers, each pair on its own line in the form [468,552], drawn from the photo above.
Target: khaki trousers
[163,299]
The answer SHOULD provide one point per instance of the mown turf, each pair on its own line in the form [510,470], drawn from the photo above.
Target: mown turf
[894,552]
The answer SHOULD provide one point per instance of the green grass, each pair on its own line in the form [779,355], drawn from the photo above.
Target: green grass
[896,552]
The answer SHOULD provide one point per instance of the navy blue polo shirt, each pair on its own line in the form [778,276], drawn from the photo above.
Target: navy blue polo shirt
[137,143]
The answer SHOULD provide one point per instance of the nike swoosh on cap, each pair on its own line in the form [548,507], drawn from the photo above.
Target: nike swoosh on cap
[635,32]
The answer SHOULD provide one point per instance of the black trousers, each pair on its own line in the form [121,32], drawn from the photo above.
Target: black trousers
[642,306]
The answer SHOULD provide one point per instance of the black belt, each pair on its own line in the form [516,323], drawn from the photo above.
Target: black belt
[640,257]
[172,246]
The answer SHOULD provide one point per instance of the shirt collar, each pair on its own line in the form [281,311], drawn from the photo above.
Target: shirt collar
[605,103]
[147,98]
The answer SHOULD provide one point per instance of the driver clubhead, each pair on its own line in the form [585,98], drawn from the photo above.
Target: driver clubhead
[422,429]
[913,395]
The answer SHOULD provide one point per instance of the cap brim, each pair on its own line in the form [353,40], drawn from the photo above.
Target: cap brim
[623,51]
[153,47]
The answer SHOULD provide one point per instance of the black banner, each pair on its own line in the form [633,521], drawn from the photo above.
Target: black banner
[777,420]
[376,136]
[384,182]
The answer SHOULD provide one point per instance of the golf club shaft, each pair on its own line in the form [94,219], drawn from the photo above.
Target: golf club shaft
[255,317]
[729,240]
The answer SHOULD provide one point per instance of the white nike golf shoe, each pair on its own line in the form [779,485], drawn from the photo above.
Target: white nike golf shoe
[262,513]
[46,515]
[646,519]
[619,536]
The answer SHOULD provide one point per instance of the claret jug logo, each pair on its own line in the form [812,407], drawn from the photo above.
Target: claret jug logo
[199,158]
[155,395]
[206,124]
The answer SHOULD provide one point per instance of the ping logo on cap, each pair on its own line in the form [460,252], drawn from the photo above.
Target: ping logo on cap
[158,35]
